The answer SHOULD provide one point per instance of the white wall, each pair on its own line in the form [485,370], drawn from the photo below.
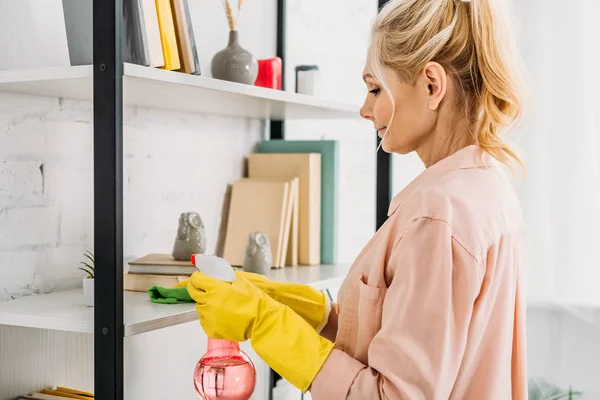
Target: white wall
[564,350]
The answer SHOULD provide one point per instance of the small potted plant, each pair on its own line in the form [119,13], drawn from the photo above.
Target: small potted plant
[88,281]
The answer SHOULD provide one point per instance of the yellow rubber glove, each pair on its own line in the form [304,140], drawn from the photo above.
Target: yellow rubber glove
[309,303]
[240,311]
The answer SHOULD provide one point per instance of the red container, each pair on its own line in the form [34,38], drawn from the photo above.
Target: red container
[269,73]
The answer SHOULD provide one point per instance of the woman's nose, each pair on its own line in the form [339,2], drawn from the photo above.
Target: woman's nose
[366,111]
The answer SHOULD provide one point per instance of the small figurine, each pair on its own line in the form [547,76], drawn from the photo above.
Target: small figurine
[258,257]
[191,237]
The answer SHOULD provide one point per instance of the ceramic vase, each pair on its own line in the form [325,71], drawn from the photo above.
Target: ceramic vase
[235,63]
[88,291]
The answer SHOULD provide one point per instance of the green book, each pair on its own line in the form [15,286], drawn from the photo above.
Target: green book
[329,185]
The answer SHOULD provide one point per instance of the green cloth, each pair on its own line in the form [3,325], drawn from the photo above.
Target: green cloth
[164,295]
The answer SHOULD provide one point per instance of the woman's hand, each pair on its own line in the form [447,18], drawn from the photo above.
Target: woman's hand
[311,304]
[240,311]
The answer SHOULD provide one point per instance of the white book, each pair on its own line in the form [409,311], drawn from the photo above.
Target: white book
[32,34]
[153,33]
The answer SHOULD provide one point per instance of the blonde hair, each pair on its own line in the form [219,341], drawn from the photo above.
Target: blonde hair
[473,42]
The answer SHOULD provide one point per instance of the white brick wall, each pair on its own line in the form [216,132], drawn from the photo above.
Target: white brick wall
[173,162]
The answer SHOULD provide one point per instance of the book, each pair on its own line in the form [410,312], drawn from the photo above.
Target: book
[289,246]
[329,185]
[293,219]
[140,32]
[257,205]
[143,282]
[74,391]
[307,167]
[41,396]
[61,392]
[152,29]
[193,47]
[135,41]
[185,36]
[66,395]
[160,264]
[168,37]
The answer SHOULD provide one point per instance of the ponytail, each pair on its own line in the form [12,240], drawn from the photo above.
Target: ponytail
[502,88]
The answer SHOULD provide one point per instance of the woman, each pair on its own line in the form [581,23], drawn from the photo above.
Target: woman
[433,307]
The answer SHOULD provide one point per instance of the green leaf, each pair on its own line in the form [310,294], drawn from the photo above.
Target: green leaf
[91,274]
[87,265]
[90,257]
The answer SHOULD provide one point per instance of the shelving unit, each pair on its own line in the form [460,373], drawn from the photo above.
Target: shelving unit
[65,310]
[112,84]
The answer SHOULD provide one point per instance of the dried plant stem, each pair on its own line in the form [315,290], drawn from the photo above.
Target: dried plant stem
[229,13]
[232,19]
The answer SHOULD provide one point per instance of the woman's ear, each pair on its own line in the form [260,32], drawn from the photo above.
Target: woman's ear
[435,79]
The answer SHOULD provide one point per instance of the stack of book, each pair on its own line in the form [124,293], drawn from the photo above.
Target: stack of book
[290,194]
[156,33]
[156,269]
[59,393]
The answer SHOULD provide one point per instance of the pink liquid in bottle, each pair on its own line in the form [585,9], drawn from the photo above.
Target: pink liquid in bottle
[224,372]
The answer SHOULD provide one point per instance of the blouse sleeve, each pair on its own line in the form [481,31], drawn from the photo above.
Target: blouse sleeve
[425,320]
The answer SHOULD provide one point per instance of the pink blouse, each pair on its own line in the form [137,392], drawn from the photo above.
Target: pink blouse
[433,308]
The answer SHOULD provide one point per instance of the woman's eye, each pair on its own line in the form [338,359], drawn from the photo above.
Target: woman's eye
[374,91]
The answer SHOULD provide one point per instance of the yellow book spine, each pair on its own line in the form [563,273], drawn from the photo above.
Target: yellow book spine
[168,37]
[66,395]
[74,391]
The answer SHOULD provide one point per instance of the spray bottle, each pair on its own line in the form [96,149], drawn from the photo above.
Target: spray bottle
[224,372]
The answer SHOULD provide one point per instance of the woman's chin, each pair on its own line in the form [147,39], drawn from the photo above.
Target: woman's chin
[389,146]
[392,147]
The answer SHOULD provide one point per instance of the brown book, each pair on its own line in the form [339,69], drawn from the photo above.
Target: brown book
[257,205]
[289,253]
[307,167]
[143,282]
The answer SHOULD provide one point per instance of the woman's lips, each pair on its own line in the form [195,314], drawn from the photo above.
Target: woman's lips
[381,131]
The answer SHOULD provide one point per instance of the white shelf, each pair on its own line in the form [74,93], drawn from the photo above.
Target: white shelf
[320,277]
[172,90]
[65,311]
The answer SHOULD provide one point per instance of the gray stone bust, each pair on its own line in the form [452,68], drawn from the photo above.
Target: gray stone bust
[191,237]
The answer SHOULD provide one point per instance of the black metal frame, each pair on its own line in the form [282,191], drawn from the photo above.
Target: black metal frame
[108,190]
[383,177]
[108,199]
[277,127]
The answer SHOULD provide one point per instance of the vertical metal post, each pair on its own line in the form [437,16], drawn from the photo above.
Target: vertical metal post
[108,200]
[277,127]
[383,175]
